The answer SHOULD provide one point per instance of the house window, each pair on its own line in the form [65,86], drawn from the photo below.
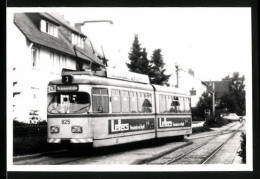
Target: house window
[77,40]
[35,57]
[49,28]
[57,62]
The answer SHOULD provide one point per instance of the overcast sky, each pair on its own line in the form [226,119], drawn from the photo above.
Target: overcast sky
[212,41]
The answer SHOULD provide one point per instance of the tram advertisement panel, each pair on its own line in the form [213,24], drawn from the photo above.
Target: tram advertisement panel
[164,122]
[129,125]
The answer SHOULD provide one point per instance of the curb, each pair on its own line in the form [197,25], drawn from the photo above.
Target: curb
[156,156]
[32,156]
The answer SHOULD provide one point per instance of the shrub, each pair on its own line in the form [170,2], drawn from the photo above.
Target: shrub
[242,152]
[200,129]
[216,122]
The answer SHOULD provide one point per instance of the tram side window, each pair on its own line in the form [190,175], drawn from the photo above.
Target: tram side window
[147,103]
[175,104]
[187,104]
[116,102]
[181,101]
[162,103]
[133,102]
[100,100]
[140,101]
[125,101]
[169,104]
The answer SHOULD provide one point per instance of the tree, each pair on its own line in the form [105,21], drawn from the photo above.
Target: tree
[156,73]
[139,62]
[234,100]
[205,102]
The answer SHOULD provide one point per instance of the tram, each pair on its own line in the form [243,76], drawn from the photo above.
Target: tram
[108,108]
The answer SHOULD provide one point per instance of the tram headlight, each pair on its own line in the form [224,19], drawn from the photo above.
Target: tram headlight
[76,129]
[54,129]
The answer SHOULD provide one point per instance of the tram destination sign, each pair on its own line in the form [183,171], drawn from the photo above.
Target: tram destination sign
[129,125]
[67,88]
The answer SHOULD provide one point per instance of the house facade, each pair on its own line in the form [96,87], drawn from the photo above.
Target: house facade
[190,84]
[39,46]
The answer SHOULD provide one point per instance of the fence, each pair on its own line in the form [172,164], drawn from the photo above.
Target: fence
[30,130]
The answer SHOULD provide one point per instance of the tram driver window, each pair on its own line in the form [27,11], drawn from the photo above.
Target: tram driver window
[69,103]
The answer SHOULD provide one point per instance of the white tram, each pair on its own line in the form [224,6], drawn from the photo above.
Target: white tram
[111,109]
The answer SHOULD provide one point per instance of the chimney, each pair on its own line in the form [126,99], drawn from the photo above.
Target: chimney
[78,26]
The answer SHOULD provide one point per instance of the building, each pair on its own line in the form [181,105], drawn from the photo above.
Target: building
[220,87]
[39,46]
[188,82]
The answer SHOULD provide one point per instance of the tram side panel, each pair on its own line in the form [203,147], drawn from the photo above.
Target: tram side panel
[171,119]
[115,130]
[120,125]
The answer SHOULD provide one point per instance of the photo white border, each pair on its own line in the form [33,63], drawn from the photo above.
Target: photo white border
[82,168]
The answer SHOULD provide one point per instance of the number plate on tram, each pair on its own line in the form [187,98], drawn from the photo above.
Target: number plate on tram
[65,121]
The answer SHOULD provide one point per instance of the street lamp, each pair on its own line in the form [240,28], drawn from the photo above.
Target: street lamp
[93,21]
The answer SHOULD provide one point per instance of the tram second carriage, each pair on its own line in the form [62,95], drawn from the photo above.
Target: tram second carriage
[106,111]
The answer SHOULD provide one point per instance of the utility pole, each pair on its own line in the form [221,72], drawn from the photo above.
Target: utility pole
[213,99]
[177,75]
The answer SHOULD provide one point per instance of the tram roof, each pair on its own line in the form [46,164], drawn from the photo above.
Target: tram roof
[96,80]
[166,89]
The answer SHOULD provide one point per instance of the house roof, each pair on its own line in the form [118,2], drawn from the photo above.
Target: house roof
[35,35]
[221,87]
[62,21]
[50,18]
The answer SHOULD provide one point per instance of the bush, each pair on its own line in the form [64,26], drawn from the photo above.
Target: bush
[200,129]
[242,152]
[21,129]
[216,122]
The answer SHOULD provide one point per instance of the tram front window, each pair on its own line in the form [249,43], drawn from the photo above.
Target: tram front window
[69,103]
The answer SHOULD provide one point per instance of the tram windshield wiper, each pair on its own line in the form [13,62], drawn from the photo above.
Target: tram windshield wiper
[54,108]
[87,106]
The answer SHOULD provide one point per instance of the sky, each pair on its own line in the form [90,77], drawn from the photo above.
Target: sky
[213,42]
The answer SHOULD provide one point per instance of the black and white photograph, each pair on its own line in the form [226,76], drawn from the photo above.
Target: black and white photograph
[129,89]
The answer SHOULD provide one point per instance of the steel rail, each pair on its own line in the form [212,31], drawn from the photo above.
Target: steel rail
[203,144]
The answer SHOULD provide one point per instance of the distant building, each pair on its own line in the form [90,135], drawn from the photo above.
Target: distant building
[39,46]
[221,88]
[188,82]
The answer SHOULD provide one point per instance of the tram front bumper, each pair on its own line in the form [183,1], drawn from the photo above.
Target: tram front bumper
[85,140]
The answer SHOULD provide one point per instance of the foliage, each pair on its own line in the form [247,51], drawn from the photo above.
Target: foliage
[242,152]
[139,62]
[234,101]
[200,129]
[216,122]
[231,102]
[157,70]
[205,102]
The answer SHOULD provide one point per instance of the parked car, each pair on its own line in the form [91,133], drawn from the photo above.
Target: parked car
[231,116]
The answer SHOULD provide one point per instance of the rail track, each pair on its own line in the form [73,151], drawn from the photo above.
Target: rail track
[201,148]
[199,152]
